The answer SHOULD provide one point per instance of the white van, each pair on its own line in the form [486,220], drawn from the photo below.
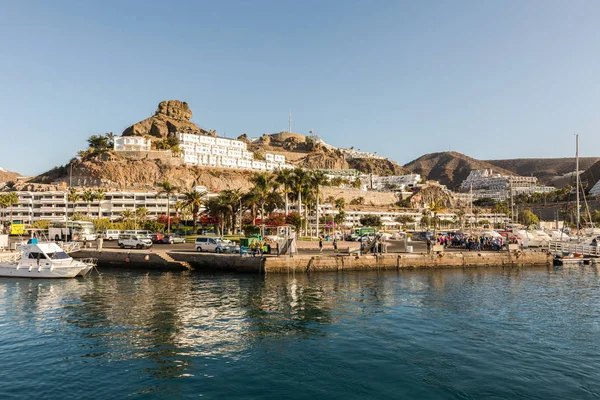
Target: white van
[140,232]
[209,244]
[110,234]
[137,241]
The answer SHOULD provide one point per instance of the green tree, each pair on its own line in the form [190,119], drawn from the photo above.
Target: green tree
[370,220]
[285,178]
[215,209]
[73,197]
[528,218]
[299,183]
[141,214]
[405,219]
[99,195]
[168,190]
[88,197]
[101,143]
[262,187]
[317,179]
[194,200]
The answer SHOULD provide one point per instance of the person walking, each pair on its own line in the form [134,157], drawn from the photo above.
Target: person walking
[335,249]
[320,244]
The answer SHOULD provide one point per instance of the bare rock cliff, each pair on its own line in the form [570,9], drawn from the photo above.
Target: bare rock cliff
[170,117]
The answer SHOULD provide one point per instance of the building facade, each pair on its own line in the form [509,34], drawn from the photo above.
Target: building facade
[132,143]
[53,205]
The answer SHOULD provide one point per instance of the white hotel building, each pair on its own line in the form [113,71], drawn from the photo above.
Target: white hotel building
[220,152]
[209,151]
[53,205]
[485,184]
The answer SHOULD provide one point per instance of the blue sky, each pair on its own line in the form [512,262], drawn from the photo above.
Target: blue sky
[491,79]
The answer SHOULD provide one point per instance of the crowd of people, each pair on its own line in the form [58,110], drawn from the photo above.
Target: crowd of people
[468,242]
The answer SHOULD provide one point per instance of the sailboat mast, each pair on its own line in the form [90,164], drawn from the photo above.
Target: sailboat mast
[577,182]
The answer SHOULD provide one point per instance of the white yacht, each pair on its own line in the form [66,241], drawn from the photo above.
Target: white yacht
[43,260]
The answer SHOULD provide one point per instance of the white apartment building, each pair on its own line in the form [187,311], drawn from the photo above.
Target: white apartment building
[131,143]
[375,182]
[487,179]
[225,153]
[501,194]
[595,190]
[53,205]
[486,184]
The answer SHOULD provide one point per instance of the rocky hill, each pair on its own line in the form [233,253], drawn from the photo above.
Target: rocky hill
[449,168]
[591,175]
[113,171]
[170,117]
[7,176]
[547,170]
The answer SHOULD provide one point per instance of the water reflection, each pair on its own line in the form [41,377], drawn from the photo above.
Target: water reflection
[175,326]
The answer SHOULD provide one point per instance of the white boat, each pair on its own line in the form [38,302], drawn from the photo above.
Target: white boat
[43,260]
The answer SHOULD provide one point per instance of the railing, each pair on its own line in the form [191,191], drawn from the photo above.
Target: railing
[584,249]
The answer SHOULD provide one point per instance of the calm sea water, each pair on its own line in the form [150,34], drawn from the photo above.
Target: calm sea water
[443,334]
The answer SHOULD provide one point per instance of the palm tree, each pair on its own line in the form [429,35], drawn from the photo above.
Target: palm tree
[126,216]
[88,197]
[435,208]
[251,202]
[214,208]
[168,189]
[194,200]
[317,178]
[3,204]
[141,214]
[299,184]
[285,178]
[72,197]
[330,200]
[263,184]
[233,199]
[99,195]
[12,199]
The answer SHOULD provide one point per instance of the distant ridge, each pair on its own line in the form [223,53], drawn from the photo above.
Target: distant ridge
[545,169]
[450,167]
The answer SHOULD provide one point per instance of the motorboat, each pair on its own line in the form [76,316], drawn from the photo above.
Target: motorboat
[43,260]
[539,238]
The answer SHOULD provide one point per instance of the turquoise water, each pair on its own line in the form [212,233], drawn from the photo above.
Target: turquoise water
[444,334]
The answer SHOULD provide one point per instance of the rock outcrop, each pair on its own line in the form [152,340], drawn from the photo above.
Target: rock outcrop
[7,176]
[170,117]
[432,195]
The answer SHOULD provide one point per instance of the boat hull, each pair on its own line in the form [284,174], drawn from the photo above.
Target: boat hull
[44,272]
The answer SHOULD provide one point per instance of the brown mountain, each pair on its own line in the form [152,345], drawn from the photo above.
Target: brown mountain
[449,168]
[7,176]
[170,117]
[591,175]
[545,169]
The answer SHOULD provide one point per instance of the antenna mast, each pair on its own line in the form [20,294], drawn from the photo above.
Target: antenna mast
[577,182]
[290,123]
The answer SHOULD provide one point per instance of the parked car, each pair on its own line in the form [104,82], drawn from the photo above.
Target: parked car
[134,241]
[157,238]
[204,243]
[173,238]
[110,234]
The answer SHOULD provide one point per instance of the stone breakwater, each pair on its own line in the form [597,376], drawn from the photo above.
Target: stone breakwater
[305,263]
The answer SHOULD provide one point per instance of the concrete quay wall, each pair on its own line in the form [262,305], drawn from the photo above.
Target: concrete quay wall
[405,261]
[138,259]
[147,259]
